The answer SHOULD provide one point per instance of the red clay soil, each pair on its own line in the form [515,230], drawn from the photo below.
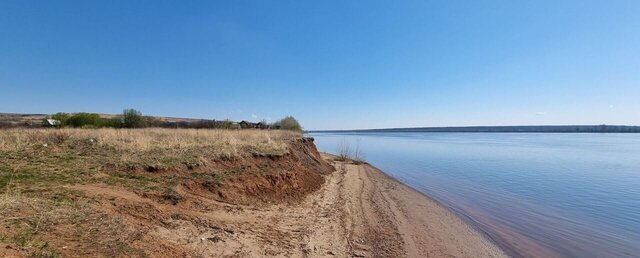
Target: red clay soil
[257,179]
[267,179]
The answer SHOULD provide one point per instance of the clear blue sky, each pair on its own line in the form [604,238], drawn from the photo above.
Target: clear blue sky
[331,64]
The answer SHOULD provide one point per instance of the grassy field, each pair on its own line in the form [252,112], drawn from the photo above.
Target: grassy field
[229,143]
[36,165]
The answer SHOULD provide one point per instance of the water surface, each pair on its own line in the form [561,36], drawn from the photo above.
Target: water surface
[565,195]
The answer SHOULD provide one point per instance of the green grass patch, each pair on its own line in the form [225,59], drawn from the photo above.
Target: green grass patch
[7,177]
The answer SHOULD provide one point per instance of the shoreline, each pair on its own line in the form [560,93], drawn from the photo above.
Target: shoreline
[463,217]
[427,228]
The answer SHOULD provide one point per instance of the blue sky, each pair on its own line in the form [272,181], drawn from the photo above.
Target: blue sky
[331,64]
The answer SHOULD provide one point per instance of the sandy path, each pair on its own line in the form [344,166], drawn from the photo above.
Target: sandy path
[359,212]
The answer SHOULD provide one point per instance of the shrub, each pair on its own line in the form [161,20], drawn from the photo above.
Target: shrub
[115,122]
[345,153]
[132,118]
[289,123]
[62,117]
[83,120]
[226,124]
[150,121]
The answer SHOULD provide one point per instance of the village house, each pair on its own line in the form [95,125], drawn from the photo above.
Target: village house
[246,124]
[51,123]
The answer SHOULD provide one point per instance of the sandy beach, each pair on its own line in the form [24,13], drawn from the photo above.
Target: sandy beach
[358,212]
[384,218]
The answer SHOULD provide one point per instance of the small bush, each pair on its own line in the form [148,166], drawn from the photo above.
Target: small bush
[346,153]
[150,121]
[62,117]
[288,123]
[132,118]
[114,122]
[83,120]
[226,124]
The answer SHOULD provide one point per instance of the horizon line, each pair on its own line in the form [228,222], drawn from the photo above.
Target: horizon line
[468,126]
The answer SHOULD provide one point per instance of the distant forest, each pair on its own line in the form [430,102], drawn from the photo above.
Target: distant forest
[508,129]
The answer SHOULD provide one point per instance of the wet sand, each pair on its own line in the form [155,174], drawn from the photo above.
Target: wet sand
[395,220]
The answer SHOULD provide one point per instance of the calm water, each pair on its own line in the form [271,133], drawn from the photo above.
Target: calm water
[566,195]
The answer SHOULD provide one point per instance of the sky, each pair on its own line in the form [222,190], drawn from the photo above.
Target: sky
[330,64]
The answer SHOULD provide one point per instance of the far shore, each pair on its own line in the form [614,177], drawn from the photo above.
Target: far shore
[499,129]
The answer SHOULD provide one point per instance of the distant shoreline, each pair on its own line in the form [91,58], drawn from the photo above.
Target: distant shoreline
[499,129]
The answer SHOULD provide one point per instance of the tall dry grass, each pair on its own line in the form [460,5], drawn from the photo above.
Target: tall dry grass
[224,142]
[345,152]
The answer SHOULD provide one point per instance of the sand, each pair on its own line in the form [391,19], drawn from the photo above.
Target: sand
[384,218]
[358,212]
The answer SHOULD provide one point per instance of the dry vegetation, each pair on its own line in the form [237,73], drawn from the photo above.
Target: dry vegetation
[39,213]
[221,143]
[71,155]
[346,153]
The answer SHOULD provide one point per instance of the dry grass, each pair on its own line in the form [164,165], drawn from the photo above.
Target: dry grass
[39,215]
[32,225]
[226,143]
[49,157]
[346,153]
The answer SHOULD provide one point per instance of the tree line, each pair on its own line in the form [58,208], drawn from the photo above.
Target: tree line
[131,118]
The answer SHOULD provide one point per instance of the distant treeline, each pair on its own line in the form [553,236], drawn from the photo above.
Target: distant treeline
[131,118]
[510,129]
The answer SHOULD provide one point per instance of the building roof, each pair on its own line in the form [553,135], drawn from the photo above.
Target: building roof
[53,122]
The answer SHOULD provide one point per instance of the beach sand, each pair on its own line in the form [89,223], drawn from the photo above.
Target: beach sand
[380,217]
[358,212]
